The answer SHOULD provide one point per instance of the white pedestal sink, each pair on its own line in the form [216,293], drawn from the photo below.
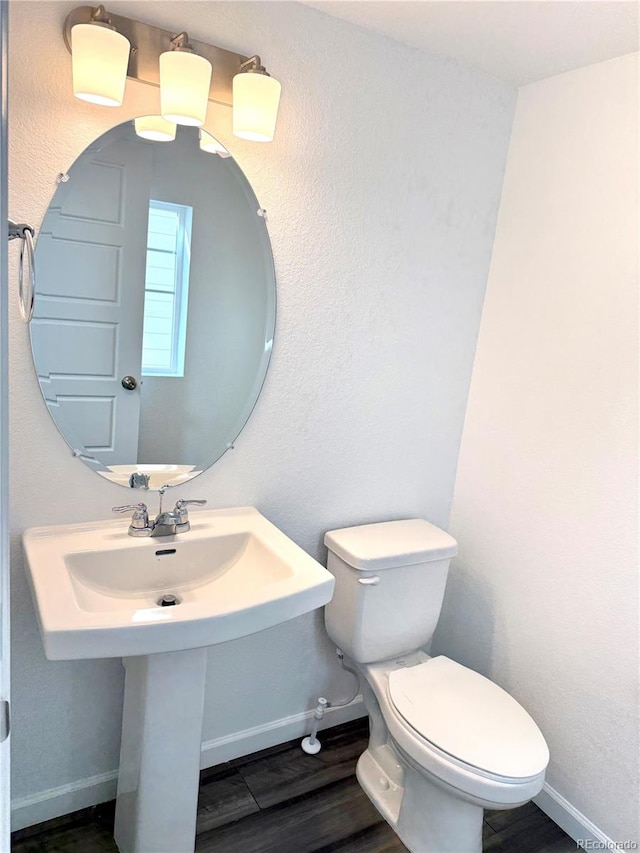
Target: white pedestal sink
[96,591]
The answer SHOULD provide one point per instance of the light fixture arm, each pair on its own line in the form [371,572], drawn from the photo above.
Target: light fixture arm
[181,42]
[254,65]
[148,42]
[99,16]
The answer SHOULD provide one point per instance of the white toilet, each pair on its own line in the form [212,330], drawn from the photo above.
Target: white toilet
[445,742]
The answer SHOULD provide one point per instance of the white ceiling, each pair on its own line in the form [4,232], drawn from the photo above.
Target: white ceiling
[520,41]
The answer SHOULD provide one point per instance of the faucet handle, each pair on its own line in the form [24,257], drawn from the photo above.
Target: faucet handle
[181,508]
[140,518]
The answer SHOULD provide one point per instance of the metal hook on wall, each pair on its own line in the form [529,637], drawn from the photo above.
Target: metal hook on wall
[24,232]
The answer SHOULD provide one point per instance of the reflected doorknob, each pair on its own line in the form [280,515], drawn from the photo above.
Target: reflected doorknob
[129,383]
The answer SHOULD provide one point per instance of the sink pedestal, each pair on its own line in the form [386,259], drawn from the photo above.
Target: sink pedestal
[160,753]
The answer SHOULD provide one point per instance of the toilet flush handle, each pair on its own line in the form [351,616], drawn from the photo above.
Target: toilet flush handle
[373,581]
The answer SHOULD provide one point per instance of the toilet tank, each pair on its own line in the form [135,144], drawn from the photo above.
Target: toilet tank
[390,581]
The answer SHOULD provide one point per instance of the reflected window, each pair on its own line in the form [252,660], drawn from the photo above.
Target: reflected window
[166,289]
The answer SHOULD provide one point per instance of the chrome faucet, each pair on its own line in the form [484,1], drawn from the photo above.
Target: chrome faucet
[175,521]
[165,523]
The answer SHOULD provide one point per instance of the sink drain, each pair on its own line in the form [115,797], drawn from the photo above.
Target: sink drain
[168,600]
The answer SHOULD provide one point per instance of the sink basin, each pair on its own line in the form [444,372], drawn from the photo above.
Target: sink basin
[234,573]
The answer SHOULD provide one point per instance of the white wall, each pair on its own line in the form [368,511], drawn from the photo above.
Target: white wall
[382,189]
[544,595]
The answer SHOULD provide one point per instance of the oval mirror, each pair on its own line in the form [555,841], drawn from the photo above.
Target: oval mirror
[155,306]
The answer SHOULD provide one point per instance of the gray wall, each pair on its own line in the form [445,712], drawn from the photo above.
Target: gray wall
[382,189]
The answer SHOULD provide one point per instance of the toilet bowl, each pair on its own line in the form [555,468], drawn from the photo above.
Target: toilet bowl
[445,742]
[432,767]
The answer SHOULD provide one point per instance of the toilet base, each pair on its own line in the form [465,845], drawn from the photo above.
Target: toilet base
[426,817]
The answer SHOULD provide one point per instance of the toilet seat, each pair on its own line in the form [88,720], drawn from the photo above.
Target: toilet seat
[469,718]
[475,784]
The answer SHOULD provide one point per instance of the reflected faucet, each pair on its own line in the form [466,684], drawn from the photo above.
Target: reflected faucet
[139,481]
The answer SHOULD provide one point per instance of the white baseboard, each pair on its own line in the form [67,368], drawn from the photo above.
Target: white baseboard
[65,799]
[279,731]
[568,818]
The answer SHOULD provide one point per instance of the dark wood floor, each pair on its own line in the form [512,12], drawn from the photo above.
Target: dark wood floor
[283,801]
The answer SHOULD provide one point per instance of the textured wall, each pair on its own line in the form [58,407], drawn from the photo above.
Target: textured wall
[544,595]
[382,190]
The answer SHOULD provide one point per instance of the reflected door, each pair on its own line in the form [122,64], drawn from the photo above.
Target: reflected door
[88,319]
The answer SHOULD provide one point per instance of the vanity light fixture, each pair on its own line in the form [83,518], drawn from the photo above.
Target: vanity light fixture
[256,97]
[107,48]
[211,145]
[185,78]
[155,128]
[100,59]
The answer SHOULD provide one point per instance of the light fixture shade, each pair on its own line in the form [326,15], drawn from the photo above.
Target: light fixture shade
[100,60]
[155,128]
[184,87]
[256,98]
[211,145]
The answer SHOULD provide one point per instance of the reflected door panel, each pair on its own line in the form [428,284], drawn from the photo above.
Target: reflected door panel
[87,326]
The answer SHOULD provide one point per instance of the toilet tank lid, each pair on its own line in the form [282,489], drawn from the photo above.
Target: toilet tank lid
[389,544]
